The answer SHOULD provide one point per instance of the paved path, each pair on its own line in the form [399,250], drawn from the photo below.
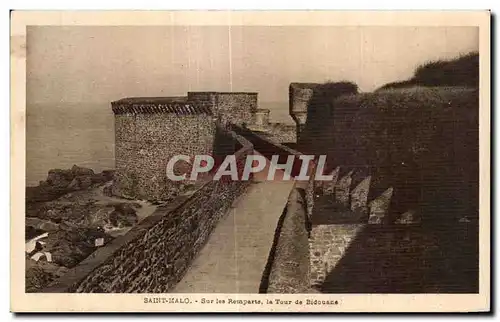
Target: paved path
[236,253]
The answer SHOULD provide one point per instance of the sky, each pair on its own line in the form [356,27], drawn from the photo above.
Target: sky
[77,64]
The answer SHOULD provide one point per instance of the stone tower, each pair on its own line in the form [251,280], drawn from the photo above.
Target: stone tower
[299,96]
[149,131]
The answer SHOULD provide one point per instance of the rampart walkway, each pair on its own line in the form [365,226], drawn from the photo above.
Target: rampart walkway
[236,253]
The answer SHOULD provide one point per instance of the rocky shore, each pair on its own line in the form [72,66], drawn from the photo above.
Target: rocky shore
[70,215]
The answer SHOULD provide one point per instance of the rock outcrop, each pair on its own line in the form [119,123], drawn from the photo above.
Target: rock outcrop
[62,181]
[70,215]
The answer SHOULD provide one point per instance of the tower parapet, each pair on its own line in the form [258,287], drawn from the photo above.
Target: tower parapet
[261,117]
[161,106]
[299,96]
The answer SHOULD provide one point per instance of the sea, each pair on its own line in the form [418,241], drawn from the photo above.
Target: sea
[60,135]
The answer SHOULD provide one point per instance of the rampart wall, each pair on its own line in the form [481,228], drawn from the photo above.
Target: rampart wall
[155,254]
[421,141]
[403,203]
[277,132]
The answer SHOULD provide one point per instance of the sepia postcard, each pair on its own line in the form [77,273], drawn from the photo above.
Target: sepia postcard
[250,161]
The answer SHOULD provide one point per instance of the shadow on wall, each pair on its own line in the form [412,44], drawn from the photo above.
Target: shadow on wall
[264,282]
[319,112]
[409,260]
[223,145]
[423,142]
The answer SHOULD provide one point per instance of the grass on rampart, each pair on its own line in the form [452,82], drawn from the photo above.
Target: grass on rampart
[461,71]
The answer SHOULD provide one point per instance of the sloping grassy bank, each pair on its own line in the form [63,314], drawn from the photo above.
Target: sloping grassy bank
[461,71]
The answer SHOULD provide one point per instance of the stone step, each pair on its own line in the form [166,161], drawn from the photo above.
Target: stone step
[327,211]
[379,207]
[359,196]
[342,189]
[338,203]
[410,217]
[329,186]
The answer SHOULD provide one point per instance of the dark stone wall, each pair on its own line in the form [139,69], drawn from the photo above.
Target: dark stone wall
[154,256]
[309,105]
[320,114]
[421,141]
[401,259]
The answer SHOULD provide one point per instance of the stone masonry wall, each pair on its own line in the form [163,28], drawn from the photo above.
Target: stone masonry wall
[149,131]
[406,259]
[196,97]
[281,133]
[145,142]
[236,108]
[233,107]
[277,132]
[328,245]
[154,256]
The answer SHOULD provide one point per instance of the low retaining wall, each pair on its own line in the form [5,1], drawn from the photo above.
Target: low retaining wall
[289,258]
[278,132]
[266,146]
[289,263]
[154,256]
[287,269]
